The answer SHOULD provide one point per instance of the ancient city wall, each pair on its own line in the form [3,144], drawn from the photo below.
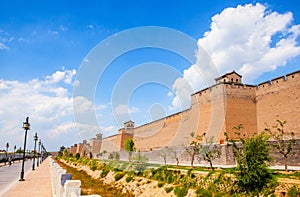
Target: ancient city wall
[218,109]
[110,144]
[215,110]
[279,99]
[240,109]
[169,131]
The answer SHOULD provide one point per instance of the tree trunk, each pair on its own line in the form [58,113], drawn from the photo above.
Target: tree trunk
[192,160]
[211,165]
[129,156]
[285,164]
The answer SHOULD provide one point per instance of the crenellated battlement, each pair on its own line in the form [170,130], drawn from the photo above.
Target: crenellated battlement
[280,80]
[168,119]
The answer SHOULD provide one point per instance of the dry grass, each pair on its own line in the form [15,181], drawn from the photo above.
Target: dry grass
[93,186]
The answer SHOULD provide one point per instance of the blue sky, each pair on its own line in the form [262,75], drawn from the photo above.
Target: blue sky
[43,44]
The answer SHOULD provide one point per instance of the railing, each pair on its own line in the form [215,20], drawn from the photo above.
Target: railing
[62,185]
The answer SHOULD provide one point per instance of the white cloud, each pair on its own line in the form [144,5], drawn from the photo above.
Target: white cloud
[122,109]
[5,39]
[249,39]
[101,107]
[108,130]
[83,105]
[47,104]
[3,46]
[59,76]
[62,128]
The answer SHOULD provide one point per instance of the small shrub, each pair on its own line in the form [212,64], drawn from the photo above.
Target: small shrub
[160,184]
[168,189]
[93,165]
[110,156]
[128,179]
[116,156]
[203,193]
[180,191]
[149,181]
[104,172]
[297,174]
[77,155]
[85,161]
[293,192]
[119,175]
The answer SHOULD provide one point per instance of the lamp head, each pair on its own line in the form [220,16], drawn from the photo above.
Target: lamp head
[26,124]
[35,137]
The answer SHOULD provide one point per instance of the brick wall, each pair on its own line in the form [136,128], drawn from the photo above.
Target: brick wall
[279,99]
[218,109]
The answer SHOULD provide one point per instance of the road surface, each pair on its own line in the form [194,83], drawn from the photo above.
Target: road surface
[10,175]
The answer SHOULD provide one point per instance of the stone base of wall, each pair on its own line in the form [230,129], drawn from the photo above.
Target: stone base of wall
[226,160]
[293,158]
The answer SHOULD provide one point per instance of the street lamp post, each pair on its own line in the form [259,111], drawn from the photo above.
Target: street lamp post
[41,153]
[35,139]
[14,153]
[6,158]
[37,162]
[26,127]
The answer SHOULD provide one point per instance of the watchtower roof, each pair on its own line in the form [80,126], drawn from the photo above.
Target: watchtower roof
[230,77]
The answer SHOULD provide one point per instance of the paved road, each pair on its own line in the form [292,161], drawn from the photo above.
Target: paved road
[10,175]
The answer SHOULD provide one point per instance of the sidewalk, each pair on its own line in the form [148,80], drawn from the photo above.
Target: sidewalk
[37,183]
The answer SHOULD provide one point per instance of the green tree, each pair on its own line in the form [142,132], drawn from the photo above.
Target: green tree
[77,156]
[61,151]
[110,156]
[175,153]
[65,152]
[129,147]
[20,150]
[208,150]
[164,153]
[284,141]
[252,156]
[140,161]
[194,147]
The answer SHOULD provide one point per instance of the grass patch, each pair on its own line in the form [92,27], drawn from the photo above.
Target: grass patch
[203,192]
[180,191]
[169,189]
[128,179]
[119,175]
[104,173]
[93,186]
[160,184]
[282,174]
